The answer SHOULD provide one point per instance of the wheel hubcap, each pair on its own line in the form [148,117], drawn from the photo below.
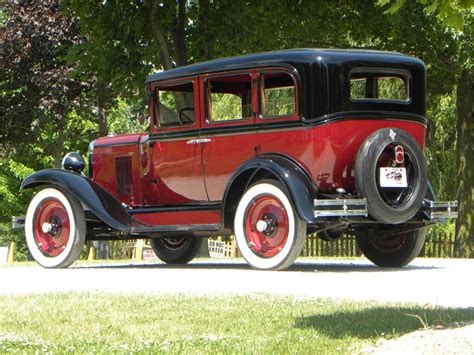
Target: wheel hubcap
[266,225]
[173,243]
[391,244]
[51,227]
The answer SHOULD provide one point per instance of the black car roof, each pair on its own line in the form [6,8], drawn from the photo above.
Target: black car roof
[284,58]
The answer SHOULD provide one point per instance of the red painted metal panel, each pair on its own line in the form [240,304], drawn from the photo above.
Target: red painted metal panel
[106,150]
[172,172]
[225,152]
[328,152]
[179,218]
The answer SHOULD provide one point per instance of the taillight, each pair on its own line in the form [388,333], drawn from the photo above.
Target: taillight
[399,154]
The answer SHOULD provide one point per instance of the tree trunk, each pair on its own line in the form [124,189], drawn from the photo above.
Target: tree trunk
[180,35]
[158,36]
[204,50]
[464,246]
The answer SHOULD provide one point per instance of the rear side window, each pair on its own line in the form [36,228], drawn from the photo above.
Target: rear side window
[378,85]
[175,104]
[229,98]
[277,95]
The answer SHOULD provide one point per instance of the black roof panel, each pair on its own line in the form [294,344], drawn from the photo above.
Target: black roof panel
[283,58]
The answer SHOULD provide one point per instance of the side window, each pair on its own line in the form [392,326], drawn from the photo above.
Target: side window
[379,86]
[175,104]
[229,98]
[277,95]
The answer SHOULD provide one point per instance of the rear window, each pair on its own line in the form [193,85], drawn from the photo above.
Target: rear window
[379,85]
[277,95]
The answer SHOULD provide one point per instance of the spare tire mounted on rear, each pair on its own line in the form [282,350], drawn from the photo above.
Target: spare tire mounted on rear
[390,171]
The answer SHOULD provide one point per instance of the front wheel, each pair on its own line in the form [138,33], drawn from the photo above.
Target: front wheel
[392,251]
[176,249]
[269,233]
[55,228]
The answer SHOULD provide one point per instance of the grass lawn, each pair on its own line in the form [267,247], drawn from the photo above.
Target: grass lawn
[104,323]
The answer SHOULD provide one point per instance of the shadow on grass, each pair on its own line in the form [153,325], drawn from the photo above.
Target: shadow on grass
[373,322]
[337,266]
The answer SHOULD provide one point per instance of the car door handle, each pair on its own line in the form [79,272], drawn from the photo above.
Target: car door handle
[198,140]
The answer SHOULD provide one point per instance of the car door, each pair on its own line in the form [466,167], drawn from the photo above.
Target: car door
[171,154]
[228,134]
[278,121]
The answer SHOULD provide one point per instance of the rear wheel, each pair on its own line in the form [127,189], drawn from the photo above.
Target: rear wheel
[55,228]
[269,233]
[395,250]
[176,249]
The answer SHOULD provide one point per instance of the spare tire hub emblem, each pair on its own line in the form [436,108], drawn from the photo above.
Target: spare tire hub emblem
[392,134]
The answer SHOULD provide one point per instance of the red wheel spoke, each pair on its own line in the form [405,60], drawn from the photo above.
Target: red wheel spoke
[51,227]
[270,213]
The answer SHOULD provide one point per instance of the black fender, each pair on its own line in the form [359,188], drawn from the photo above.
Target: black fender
[288,172]
[101,203]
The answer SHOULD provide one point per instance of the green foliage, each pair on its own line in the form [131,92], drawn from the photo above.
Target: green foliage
[11,201]
[8,235]
[280,101]
[95,55]
[451,12]
[440,240]
[441,150]
[227,107]
[127,117]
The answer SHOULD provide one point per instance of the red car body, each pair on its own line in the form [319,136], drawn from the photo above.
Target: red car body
[309,121]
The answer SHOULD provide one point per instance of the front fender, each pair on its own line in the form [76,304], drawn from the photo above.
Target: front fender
[101,203]
[290,174]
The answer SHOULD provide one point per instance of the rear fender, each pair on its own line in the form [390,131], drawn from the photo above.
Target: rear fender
[289,173]
[101,203]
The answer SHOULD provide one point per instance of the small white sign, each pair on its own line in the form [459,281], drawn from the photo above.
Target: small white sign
[216,248]
[393,177]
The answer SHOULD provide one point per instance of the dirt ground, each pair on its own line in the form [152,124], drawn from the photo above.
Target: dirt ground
[458,339]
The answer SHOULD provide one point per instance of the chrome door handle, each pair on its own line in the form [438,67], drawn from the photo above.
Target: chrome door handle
[198,140]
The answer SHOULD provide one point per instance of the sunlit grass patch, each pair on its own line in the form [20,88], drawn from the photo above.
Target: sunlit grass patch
[99,322]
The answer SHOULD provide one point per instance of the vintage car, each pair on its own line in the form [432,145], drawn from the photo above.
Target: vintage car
[267,147]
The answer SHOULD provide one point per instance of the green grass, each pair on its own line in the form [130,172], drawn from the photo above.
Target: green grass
[105,323]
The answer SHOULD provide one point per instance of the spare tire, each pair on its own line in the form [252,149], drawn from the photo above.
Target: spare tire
[377,155]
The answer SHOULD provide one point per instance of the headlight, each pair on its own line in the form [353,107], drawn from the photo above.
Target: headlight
[73,162]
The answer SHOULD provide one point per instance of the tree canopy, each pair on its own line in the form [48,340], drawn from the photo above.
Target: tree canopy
[73,70]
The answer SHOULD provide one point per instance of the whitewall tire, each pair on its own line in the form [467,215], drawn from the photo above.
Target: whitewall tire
[268,230]
[55,228]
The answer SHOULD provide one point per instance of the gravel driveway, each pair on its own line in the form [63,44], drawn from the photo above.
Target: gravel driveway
[425,281]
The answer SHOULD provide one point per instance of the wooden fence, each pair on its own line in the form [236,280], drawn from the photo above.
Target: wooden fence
[438,246]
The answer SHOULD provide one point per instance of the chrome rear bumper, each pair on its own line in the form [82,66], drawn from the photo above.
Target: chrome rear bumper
[340,207]
[435,210]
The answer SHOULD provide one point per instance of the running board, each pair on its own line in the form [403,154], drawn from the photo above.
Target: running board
[440,209]
[340,207]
